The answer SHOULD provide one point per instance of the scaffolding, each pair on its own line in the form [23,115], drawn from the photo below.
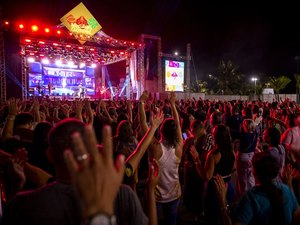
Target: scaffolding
[2,62]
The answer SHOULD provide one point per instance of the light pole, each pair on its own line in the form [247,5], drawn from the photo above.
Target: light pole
[254,79]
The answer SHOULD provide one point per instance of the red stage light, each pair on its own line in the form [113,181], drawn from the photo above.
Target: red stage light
[58,32]
[28,40]
[55,44]
[92,49]
[31,53]
[80,48]
[140,45]
[41,55]
[112,52]
[68,46]
[21,26]
[108,40]
[41,42]
[132,44]
[70,34]
[47,30]
[34,28]
[6,23]
[125,42]
[122,53]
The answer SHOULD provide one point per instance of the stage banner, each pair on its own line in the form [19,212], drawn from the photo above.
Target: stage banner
[81,23]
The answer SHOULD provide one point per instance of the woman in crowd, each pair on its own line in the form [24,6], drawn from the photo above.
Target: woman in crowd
[193,183]
[167,152]
[220,160]
[247,145]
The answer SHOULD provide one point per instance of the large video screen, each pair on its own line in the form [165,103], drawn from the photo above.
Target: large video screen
[174,75]
[56,81]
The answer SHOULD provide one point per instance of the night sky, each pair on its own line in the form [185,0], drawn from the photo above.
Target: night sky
[260,39]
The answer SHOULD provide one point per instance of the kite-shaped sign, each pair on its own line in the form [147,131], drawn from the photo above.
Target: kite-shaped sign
[81,23]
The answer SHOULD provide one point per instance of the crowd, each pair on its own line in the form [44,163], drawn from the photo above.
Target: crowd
[141,162]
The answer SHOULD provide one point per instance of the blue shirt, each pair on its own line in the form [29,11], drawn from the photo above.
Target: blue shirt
[255,204]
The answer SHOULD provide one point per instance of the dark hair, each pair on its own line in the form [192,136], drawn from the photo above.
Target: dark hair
[273,136]
[60,137]
[196,124]
[190,110]
[168,131]
[266,168]
[216,118]
[23,118]
[291,119]
[124,131]
[122,117]
[247,111]
[40,144]
[222,137]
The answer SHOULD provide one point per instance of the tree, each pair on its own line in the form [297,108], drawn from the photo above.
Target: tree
[297,78]
[278,83]
[228,78]
[199,86]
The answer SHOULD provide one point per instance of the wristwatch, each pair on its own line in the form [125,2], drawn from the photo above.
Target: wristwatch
[101,219]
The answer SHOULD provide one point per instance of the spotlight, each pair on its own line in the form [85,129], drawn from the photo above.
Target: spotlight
[82,65]
[30,59]
[47,30]
[70,63]
[34,28]
[58,62]
[45,61]
[21,26]
[93,65]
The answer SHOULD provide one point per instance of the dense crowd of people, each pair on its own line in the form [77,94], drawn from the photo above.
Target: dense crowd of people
[143,162]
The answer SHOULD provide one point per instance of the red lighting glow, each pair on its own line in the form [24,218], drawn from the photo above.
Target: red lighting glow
[6,23]
[91,49]
[47,30]
[58,32]
[80,47]
[140,45]
[41,42]
[108,40]
[112,52]
[34,28]
[132,44]
[55,44]
[122,53]
[27,40]
[21,26]
[68,46]
[70,34]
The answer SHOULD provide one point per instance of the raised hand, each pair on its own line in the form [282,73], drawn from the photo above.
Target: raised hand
[173,98]
[17,169]
[221,190]
[156,119]
[153,176]
[94,175]
[13,106]
[144,96]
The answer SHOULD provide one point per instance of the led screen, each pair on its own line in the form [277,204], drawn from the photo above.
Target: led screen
[174,75]
[59,81]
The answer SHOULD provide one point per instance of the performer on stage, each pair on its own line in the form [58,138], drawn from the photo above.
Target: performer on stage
[81,90]
[49,88]
[38,88]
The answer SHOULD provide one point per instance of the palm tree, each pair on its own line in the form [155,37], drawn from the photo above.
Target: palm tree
[278,83]
[297,78]
[228,78]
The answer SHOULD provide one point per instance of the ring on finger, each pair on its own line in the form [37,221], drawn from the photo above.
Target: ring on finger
[82,157]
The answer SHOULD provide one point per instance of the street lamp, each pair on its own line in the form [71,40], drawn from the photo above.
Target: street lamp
[254,79]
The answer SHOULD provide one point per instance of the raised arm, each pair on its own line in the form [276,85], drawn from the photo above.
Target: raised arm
[134,159]
[129,109]
[13,110]
[176,117]
[141,111]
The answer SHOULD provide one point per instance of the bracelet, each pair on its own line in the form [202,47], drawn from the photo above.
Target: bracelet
[225,208]
[101,219]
